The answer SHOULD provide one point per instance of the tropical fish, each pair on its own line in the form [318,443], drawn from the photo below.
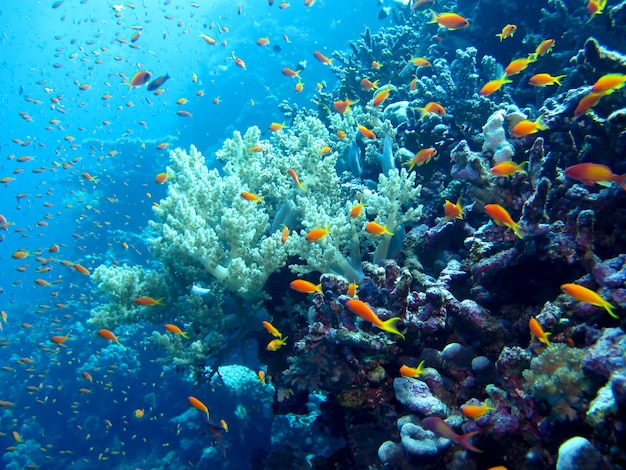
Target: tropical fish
[148,301]
[527,127]
[276,344]
[158,82]
[343,106]
[583,294]
[264,41]
[376,229]
[443,429]
[138,413]
[609,83]
[508,168]
[537,330]
[306,287]
[357,209]
[590,173]
[545,79]
[431,107]
[419,61]
[284,234]
[275,126]
[109,335]
[382,94]
[453,211]
[507,32]
[421,157]
[87,376]
[586,103]
[294,177]
[60,339]
[364,311]
[251,196]
[414,372]
[299,87]
[322,58]
[317,234]
[367,85]
[287,72]
[81,269]
[543,48]
[198,405]
[174,329]
[160,178]
[271,329]
[501,217]
[476,411]
[139,78]
[518,65]
[450,21]
[353,289]
[366,132]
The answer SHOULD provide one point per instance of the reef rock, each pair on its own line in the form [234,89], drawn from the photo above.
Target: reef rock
[577,453]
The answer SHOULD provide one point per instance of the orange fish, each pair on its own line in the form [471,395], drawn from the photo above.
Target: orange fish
[275,126]
[595,7]
[366,132]
[60,339]
[367,85]
[508,168]
[88,177]
[353,289]
[276,344]
[421,157]
[419,61]
[306,287]
[81,269]
[139,78]
[453,211]
[263,41]
[251,196]
[364,311]
[501,217]
[535,329]
[582,294]
[287,72]
[271,329]
[526,127]
[431,107]
[376,229]
[42,282]
[296,180]
[356,210]
[208,39]
[591,173]
[414,372]
[344,106]
[87,376]
[322,58]
[262,377]
[450,21]
[382,94]
[507,32]
[518,65]
[299,87]
[148,301]
[543,48]
[317,234]
[160,178]
[609,83]
[284,234]
[198,405]
[174,329]
[20,254]
[443,429]
[108,335]
[476,411]
[545,79]
[586,103]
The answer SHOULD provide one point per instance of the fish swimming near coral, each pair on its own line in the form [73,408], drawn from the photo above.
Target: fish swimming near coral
[364,311]
[594,173]
[443,429]
[583,294]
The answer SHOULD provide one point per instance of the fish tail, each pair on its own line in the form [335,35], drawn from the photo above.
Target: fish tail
[516,231]
[621,180]
[557,80]
[464,440]
[533,57]
[390,326]
[433,17]
[609,308]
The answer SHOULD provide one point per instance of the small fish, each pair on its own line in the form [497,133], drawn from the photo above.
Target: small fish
[343,106]
[414,372]
[419,62]
[138,413]
[508,168]
[353,289]
[537,330]
[453,211]
[109,335]
[543,48]
[527,127]
[421,157]
[476,411]
[276,344]
[263,41]
[148,301]
[450,21]
[60,339]
[609,83]
[507,32]
[317,234]
[582,294]
[158,82]
[376,229]
[443,429]
[140,78]
[518,65]
[586,103]
[296,180]
[275,126]
[174,329]
[198,405]
[501,217]
[262,377]
[87,376]
[284,234]
[251,196]
[368,85]
[431,107]
[382,94]
[357,209]
[160,178]
[306,287]
[367,133]
[287,72]
[224,425]
[271,329]
[594,173]
[81,269]
[322,58]
[364,311]
[545,79]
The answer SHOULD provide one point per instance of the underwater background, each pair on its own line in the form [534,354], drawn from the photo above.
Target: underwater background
[313,234]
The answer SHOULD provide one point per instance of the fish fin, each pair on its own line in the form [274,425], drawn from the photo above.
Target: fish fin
[621,180]
[609,308]
[606,184]
[464,440]
[390,326]
[516,230]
